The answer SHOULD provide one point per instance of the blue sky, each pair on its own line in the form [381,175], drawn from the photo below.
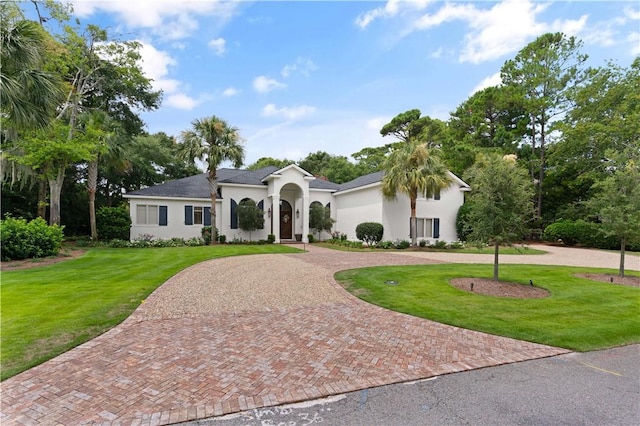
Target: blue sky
[298,76]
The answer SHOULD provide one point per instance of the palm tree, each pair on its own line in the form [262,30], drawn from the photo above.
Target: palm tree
[213,141]
[30,95]
[413,168]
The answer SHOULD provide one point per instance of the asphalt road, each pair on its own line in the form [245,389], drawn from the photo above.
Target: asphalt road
[593,388]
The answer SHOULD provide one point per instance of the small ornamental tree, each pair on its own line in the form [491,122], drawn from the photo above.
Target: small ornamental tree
[370,232]
[320,218]
[500,203]
[250,216]
[617,202]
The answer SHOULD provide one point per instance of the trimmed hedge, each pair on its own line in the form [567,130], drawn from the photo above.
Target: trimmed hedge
[113,223]
[582,233]
[370,232]
[20,239]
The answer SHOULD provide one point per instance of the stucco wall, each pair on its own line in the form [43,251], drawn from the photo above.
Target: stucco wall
[355,207]
[175,218]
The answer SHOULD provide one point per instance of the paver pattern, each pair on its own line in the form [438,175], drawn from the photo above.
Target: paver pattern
[162,367]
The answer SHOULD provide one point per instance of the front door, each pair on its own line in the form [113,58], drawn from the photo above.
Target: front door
[286,221]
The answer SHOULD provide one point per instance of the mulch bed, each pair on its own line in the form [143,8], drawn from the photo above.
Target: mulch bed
[16,265]
[612,279]
[499,288]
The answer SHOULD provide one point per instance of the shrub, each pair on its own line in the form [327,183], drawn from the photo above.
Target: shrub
[271,238]
[22,240]
[439,244]
[113,222]
[370,232]
[422,243]
[456,245]
[386,245]
[222,239]
[310,237]
[206,233]
[462,221]
[579,232]
[401,245]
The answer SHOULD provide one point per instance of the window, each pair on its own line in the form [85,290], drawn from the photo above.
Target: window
[197,215]
[151,215]
[435,196]
[428,228]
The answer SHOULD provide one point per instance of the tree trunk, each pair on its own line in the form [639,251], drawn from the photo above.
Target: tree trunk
[213,189]
[92,184]
[542,161]
[623,243]
[495,261]
[413,223]
[42,198]
[55,189]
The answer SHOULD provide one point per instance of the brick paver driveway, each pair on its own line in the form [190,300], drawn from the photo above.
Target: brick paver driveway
[162,367]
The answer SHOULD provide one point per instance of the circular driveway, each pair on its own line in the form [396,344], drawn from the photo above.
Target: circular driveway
[238,333]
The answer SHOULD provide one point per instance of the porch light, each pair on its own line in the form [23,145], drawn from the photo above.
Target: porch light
[297,213]
[269,212]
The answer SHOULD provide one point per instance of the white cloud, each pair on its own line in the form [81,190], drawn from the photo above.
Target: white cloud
[181,101]
[218,46]
[377,123]
[632,14]
[389,10]
[263,84]
[495,29]
[491,81]
[634,39]
[304,66]
[230,91]
[293,113]
[156,64]
[166,19]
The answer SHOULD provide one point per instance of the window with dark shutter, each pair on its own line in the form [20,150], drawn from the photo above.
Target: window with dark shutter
[188,215]
[207,216]
[163,219]
[234,214]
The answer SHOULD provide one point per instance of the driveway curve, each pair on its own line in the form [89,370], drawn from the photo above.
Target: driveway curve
[238,333]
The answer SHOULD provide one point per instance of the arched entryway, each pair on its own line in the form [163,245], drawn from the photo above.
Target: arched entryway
[286,220]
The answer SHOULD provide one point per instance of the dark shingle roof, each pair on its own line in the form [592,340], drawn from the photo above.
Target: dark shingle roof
[198,187]
[361,181]
[189,187]
[323,184]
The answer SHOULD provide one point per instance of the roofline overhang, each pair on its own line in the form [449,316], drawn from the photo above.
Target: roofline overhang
[371,185]
[157,197]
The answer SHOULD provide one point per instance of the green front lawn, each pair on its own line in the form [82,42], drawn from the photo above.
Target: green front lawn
[48,310]
[579,314]
[468,250]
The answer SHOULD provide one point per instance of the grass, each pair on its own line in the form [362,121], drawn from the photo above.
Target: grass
[469,250]
[579,314]
[47,310]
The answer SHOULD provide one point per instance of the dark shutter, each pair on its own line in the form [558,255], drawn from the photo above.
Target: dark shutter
[162,220]
[436,228]
[188,215]
[234,214]
[437,195]
[261,207]
[207,216]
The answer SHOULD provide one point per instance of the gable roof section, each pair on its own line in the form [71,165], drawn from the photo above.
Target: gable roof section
[197,186]
[361,181]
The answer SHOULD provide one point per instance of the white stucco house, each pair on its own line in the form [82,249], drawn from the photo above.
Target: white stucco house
[180,208]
